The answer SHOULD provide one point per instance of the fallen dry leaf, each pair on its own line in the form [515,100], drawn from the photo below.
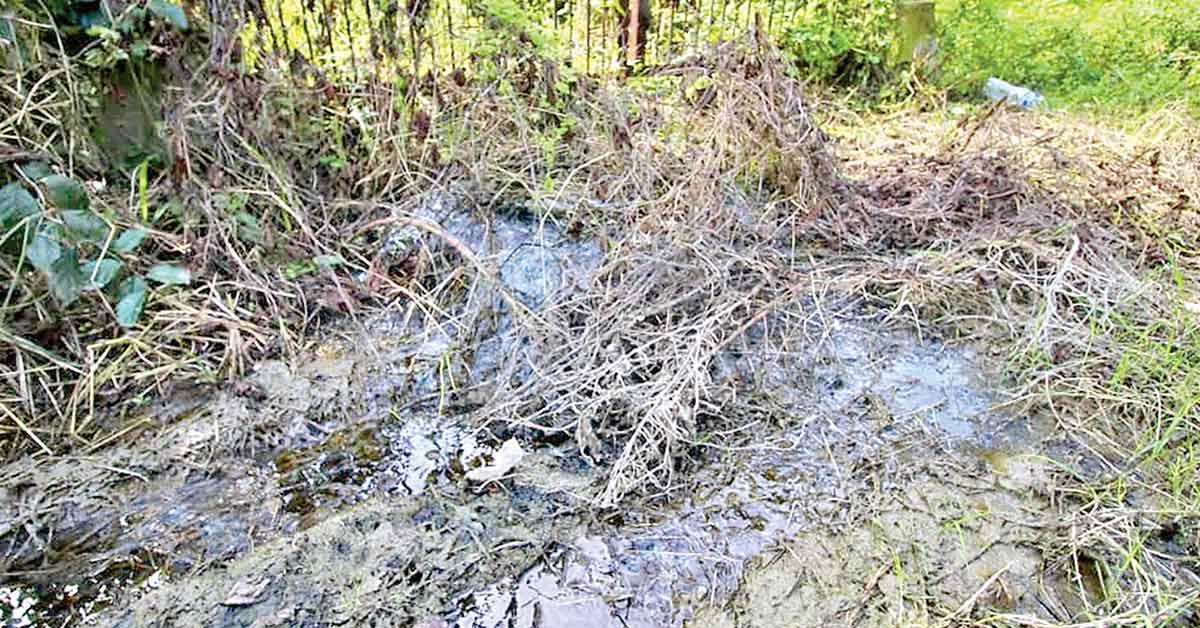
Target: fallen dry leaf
[246,591]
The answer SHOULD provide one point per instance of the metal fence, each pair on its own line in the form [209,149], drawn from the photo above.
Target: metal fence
[354,39]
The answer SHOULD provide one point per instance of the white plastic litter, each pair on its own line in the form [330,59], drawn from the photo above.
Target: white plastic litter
[504,460]
[1023,97]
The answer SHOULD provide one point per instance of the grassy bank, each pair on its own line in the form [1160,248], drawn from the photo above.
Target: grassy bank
[1108,57]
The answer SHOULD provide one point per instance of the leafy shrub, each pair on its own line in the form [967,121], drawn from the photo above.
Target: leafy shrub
[74,249]
[105,37]
[840,42]
[509,24]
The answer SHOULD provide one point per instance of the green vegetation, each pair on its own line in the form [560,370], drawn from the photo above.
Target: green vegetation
[76,251]
[1130,55]
[1097,54]
[1106,56]
[47,221]
[842,43]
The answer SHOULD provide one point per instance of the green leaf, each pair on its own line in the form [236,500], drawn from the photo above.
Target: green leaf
[43,252]
[100,273]
[35,170]
[170,12]
[328,261]
[65,192]
[103,32]
[131,298]
[169,274]
[66,282]
[298,268]
[85,226]
[16,203]
[129,240]
[247,228]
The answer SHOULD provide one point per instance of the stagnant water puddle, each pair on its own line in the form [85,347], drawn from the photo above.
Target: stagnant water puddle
[868,411]
[333,488]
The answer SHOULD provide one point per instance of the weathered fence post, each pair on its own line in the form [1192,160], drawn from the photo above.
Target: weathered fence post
[635,24]
[916,30]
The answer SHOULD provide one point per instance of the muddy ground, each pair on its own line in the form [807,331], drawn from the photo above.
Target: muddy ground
[883,481]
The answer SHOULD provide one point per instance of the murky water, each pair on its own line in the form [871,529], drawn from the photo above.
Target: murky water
[338,477]
[864,408]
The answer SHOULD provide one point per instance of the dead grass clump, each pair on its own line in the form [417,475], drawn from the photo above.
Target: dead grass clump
[252,201]
[917,200]
[625,367]
[238,204]
[1072,257]
[604,149]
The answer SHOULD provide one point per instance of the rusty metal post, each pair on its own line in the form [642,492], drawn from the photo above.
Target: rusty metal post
[349,37]
[587,26]
[450,33]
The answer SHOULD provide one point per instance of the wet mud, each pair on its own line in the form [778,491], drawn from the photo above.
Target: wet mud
[877,480]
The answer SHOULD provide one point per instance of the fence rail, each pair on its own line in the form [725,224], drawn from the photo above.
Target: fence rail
[353,39]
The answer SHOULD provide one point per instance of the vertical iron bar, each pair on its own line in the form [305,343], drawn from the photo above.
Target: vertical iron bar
[622,54]
[604,43]
[656,33]
[617,18]
[416,52]
[571,32]
[326,28]
[373,35]
[304,9]
[450,33]
[671,26]
[433,66]
[350,38]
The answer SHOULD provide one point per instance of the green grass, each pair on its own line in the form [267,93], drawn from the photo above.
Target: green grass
[1107,56]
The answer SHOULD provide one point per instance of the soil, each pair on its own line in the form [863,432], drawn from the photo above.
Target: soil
[886,485]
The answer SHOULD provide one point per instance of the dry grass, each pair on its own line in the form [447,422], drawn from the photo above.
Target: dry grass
[1069,248]
[70,380]
[625,368]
